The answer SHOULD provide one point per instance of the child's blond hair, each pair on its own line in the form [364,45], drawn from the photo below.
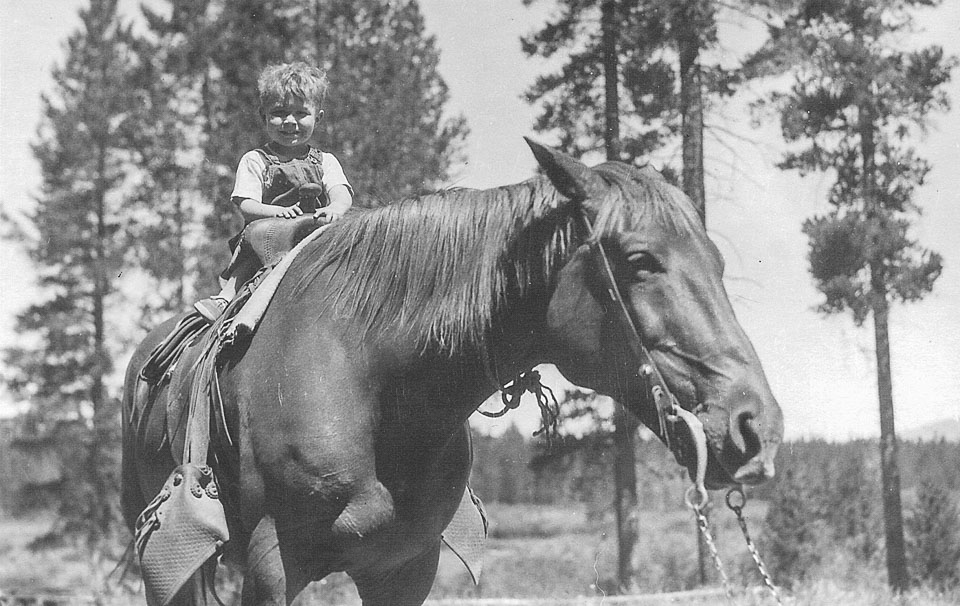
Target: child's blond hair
[280,82]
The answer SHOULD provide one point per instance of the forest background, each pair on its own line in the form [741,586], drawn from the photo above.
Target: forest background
[163,107]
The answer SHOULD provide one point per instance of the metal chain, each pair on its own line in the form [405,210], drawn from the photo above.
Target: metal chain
[703,524]
[736,501]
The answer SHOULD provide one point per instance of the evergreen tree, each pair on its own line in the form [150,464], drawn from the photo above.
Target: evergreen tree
[663,80]
[501,471]
[65,358]
[612,92]
[793,539]
[855,102]
[168,237]
[934,536]
[850,500]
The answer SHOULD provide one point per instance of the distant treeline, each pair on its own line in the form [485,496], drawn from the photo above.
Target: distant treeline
[823,512]
[512,468]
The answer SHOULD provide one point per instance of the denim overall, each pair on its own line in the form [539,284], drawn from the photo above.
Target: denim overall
[281,177]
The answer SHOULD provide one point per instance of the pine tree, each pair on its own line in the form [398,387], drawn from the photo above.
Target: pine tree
[64,362]
[855,102]
[664,82]
[612,92]
[850,500]
[793,539]
[933,529]
[168,237]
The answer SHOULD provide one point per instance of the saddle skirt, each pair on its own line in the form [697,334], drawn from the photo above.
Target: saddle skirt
[184,363]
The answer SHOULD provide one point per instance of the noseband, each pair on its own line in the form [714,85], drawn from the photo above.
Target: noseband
[669,411]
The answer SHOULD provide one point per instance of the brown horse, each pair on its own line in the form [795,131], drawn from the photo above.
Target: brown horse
[350,401]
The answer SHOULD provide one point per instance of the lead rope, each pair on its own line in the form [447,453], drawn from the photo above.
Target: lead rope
[697,499]
[704,525]
[697,496]
[736,500]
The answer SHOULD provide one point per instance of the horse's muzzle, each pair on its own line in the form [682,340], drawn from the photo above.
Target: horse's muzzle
[744,437]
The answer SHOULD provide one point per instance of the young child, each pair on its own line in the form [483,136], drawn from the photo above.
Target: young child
[287,177]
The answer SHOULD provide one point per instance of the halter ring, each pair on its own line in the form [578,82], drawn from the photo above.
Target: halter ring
[736,499]
[696,497]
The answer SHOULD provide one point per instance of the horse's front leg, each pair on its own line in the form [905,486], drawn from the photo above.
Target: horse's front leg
[266,582]
[407,585]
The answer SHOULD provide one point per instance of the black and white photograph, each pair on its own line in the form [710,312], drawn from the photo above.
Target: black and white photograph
[480,302]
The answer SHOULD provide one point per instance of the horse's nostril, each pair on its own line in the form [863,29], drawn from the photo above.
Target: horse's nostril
[746,433]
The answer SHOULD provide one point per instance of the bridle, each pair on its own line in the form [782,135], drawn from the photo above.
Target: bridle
[669,411]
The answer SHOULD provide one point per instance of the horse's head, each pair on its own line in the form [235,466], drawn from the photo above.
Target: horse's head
[669,277]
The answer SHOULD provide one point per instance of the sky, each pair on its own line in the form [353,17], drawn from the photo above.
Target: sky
[822,370]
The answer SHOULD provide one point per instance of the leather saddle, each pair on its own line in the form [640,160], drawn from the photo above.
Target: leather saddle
[175,360]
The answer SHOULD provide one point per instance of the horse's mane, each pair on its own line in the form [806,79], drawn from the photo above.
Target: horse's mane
[646,198]
[436,269]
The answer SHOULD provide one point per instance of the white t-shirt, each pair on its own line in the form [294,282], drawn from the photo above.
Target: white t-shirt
[252,171]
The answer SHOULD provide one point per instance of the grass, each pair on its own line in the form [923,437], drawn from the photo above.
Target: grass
[564,555]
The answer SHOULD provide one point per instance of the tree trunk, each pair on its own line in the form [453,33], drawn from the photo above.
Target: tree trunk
[889,467]
[625,470]
[625,487]
[897,576]
[98,507]
[611,90]
[691,112]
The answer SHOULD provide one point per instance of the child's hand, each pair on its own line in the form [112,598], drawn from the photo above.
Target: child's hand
[327,215]
[289,212]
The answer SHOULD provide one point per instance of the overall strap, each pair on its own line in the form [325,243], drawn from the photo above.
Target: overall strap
[315,156]
[268,155]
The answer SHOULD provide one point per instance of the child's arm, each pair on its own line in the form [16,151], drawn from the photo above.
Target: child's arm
[340,202]
[253,210]
[248,188]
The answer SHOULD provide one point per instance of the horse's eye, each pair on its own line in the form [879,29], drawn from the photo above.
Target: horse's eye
[644,263]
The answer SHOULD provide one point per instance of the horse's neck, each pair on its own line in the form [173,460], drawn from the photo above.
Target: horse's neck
[443,392]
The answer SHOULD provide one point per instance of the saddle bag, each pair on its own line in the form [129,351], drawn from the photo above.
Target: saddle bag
[183,527]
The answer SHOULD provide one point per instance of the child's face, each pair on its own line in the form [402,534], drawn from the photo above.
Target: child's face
[290,123]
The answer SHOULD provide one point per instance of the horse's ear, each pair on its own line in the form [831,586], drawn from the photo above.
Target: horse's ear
[571,177]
